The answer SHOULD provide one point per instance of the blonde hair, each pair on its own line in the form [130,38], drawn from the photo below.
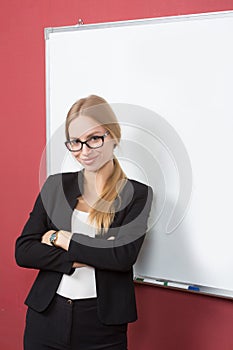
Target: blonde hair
[103,211]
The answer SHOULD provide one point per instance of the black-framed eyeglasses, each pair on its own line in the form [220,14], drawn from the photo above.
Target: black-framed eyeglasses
[93,142]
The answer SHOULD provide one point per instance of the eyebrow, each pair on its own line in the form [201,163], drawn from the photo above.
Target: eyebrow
[88,136]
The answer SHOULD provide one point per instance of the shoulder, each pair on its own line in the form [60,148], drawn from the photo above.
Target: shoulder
[61,180]
[61,177]
[139,185]
[66,175]
[135,193]
[140,188]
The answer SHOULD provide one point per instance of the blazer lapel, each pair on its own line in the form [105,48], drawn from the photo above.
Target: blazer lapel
[69,188]
[73,187]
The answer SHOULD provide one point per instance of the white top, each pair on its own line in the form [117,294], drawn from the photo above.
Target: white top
[81,284]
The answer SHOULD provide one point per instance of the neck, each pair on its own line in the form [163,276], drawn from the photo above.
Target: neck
[95,181]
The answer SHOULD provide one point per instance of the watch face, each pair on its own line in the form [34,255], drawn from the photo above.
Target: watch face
[53,237]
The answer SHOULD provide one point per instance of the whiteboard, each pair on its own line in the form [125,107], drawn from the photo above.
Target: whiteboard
[169,80]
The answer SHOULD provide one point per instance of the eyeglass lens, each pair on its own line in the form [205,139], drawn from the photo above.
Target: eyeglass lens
[93,142]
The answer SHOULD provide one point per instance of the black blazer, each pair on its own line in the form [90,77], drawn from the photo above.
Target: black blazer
[112,259]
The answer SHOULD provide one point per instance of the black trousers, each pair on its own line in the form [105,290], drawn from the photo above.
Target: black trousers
[72,325]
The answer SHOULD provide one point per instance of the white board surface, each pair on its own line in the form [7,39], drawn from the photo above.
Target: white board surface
[169,81]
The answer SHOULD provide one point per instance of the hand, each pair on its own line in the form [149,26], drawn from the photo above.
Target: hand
[45,238]
[77,265]
[63,239]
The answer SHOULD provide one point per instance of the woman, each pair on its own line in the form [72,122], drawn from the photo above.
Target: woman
[84,235]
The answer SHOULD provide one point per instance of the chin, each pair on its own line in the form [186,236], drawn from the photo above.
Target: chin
[94,167]
[91,168]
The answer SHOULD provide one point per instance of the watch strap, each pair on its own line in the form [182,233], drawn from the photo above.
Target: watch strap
[53,238]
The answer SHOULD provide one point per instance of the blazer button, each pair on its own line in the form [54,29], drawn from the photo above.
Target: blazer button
[69,301]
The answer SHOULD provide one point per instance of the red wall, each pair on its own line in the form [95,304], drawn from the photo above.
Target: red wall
[168,320]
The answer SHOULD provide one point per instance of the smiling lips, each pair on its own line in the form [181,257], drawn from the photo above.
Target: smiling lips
[88,161]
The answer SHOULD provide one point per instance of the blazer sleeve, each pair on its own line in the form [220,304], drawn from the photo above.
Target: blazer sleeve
[29,251]
[121,253]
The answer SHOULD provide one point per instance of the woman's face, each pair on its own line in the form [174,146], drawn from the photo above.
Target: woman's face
[84,127]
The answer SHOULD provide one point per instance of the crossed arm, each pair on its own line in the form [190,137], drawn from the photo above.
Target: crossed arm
[34,250]
[62,241]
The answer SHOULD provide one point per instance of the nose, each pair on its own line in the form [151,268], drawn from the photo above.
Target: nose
[86,150]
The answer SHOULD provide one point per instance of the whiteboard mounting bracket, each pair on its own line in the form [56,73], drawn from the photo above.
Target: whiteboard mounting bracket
[49,30]
[80,22]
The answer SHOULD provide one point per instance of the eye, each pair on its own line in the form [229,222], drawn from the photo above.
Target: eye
[94,138]
[75,142]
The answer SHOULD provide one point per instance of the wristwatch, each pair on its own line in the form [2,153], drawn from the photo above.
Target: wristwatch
[53,238]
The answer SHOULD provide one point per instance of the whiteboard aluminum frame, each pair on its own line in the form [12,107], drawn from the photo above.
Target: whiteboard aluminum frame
[214,292]
[157,20]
